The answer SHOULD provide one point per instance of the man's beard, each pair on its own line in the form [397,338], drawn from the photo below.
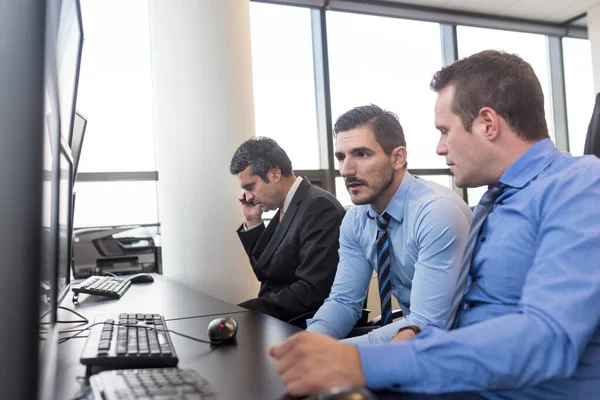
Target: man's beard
[377,190]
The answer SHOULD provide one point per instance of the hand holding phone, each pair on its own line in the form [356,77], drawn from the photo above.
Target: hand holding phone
[244,201]
[252,212]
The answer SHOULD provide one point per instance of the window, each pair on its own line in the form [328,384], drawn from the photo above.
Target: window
[579,87]
[531,47]
[115,87]
[284,83]
[388,62]
[115,203]
[115,94]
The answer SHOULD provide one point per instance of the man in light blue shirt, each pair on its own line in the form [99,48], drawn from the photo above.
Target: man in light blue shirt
[427,232]
[528,327]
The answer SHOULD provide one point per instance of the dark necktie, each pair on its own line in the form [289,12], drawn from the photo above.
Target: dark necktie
[383,268]
[486,204]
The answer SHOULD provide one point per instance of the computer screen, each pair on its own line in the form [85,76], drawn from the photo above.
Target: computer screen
[49,216]
[69,46]
[79,125]
[65,223]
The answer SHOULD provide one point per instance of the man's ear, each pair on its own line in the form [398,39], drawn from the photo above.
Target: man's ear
[491,122]
[399,157]
[275,174]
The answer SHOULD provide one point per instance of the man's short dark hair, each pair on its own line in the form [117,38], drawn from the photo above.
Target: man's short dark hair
[384,124]
[261,154]
[504,82]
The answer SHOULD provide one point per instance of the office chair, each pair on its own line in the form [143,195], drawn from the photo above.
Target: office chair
[364,325]
[592,139]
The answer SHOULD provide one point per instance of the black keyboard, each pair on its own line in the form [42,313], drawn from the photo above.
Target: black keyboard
[129,341]
[153,383]
[107,286]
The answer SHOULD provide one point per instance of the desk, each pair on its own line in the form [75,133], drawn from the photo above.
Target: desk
[242,370]
[239,371]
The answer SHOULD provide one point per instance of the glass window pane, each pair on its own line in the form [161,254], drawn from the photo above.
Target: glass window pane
[284,83]
[388,62]
[115,87]
[530,47]
[579,86]
[475,194]
[444,180]
[115,203]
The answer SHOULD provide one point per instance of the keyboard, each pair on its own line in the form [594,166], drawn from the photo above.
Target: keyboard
[129,341]
[153,383]
[107,286]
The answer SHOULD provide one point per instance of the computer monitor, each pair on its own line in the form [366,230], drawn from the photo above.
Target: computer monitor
[79,125]
[65,221]
[69,47]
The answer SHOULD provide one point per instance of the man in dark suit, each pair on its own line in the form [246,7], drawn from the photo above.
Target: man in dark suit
[294,257]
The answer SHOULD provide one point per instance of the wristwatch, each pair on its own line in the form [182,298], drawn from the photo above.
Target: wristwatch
[416,330]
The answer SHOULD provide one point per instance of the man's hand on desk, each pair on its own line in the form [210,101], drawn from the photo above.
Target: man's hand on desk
[309,363]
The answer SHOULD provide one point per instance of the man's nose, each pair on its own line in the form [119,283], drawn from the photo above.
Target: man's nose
[347,168]
[441,148]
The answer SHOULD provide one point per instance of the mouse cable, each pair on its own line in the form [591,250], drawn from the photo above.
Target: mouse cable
[147,327]
[205,315]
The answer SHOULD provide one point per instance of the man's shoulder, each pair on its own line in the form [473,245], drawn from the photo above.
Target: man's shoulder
[568,177]
[425,196]
[320,195]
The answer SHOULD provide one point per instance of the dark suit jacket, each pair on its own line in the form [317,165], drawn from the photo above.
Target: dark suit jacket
[295,260]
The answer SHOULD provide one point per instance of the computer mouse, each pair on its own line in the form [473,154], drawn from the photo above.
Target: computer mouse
[222,329]
[344,393]
[141,278]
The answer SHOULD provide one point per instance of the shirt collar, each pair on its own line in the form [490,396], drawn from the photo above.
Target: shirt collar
[290,194]
[530,164]
[396,205]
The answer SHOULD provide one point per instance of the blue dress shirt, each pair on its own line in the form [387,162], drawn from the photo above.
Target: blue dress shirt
[428,233]
[529,325]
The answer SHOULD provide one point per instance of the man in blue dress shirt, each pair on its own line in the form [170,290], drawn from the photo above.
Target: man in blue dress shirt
[427,232]
[528,327]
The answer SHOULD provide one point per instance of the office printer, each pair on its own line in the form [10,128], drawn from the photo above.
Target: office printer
[118,250]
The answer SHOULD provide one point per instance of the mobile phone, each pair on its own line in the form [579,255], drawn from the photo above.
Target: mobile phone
[246,201]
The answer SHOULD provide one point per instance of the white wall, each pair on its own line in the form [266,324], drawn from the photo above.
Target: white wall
[202,74]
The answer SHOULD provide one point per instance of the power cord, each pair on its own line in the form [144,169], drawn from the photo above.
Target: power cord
[83,319]
[44,329]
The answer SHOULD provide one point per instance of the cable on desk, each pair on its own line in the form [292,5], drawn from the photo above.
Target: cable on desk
[205,315]
[79,331]
[83,319]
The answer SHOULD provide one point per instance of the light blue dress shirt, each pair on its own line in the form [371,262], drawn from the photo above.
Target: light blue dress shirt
[428,233]
[529,325]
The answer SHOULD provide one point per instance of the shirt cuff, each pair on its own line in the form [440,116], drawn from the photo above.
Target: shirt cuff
[388,366]
[246,229]
[316,327]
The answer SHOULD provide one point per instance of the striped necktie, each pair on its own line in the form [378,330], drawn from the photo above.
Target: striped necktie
[486,204]
[383,268]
